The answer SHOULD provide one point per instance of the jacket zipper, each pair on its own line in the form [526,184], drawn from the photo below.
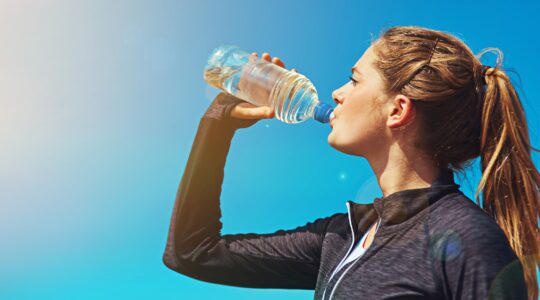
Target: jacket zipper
[349,267]
[346,255]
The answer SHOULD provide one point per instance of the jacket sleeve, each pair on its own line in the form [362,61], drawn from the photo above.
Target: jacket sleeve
[195,247]
[478,263]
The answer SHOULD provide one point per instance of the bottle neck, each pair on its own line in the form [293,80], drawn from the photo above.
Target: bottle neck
[322,112]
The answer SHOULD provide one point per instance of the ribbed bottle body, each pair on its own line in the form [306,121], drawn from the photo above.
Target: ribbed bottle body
[292,96]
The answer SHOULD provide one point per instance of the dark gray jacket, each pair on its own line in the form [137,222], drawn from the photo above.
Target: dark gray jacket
[433,243]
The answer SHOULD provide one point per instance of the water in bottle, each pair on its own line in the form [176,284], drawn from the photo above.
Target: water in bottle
[292,96]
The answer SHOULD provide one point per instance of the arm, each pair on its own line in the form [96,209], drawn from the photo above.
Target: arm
[284,259]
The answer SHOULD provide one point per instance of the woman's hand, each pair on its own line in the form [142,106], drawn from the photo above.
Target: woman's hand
[246,110]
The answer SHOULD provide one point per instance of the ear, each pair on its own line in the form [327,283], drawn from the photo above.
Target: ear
[402,112]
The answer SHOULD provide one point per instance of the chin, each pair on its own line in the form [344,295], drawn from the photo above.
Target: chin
[332,140]
[334,143]
[342,147]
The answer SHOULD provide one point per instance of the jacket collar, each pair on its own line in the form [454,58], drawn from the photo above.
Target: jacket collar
[401,206]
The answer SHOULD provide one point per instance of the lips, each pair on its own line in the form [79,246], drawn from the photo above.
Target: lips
[332,118]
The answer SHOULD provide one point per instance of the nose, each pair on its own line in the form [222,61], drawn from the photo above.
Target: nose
[337,96]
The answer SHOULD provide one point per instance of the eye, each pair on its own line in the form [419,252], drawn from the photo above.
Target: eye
[354,82]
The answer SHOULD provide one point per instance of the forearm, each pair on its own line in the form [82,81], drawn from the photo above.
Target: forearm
[195,222]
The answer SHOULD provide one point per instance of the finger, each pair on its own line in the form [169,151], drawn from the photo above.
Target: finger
[242,110]
[270,113]
[262,112]
[266,112]
[253,57]
[252,112]
[266,56]
[277,61]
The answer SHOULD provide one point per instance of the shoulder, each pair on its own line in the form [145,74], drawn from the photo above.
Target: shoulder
[459,213]
[470,252]
[325,224]
[458,226]
[336,221]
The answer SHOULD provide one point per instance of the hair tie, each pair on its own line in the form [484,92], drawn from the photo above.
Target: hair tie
[433,50]
[484,70]
[483,73]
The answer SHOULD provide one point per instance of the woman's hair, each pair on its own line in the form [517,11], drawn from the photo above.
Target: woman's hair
[467,110]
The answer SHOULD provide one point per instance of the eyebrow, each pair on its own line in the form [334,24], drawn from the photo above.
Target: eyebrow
[354,69]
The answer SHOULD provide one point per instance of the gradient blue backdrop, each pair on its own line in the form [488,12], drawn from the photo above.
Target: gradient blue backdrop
[99,105]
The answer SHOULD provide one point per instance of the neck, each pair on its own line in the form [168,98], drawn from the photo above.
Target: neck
[397,170]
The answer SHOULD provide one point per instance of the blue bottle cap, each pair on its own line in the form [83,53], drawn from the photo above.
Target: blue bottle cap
[322,112]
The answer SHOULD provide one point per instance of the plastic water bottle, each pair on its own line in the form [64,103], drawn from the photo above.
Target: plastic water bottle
[292,96]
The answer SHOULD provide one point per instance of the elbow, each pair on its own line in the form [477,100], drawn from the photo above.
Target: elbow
[171,258]
[175,253]
[186,258]
[170,261]
[183,264]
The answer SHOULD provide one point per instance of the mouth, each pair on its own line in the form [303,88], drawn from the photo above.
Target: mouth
[332,118]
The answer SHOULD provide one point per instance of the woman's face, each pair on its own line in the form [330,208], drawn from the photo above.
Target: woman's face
[358,127]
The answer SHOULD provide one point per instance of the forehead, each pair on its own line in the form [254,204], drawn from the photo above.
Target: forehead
[364,65]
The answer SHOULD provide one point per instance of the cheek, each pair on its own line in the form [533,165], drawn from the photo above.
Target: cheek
[360,123]
[360,108]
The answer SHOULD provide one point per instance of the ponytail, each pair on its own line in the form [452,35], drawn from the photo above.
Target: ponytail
[510,182]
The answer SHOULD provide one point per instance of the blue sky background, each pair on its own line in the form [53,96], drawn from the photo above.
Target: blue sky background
[99,105]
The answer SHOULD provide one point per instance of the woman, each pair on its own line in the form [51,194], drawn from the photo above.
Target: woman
[419,106]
